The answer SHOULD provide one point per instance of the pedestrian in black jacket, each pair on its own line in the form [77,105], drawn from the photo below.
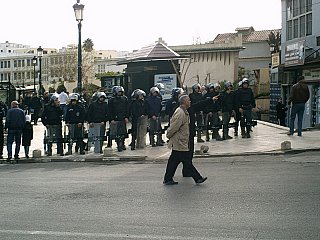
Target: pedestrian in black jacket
[3,112]
[15,121]
[52,119]
[35,107]
[281,112]
[27,136]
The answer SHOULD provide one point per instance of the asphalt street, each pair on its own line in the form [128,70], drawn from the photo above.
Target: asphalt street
[252,197]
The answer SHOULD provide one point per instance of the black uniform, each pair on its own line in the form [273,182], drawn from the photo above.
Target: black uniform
[281,113]
[245,100]
[195,98]
[3,111]
[52,118]
[138,108]
[212,116]
[154,109]
[36,106]
[227,105]
[75,116]
[118,110]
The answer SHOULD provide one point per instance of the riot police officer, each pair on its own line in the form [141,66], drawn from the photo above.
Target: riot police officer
[245,102]
[173,103]
[237,114]
[97,116]
[138,111]
[75,117]
[196,97]
[51,118]
[119,117]
[154,109]
[212,111]
[227,106]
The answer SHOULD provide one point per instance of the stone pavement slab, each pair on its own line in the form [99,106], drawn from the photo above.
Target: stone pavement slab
[266,139]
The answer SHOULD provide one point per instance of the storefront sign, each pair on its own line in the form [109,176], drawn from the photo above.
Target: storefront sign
[312,75]
[169,81]
[275,60]
[294,54]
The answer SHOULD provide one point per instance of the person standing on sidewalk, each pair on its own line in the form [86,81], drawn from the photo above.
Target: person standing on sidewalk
[27,136]
[15,122]
[299,96]
[3,112]
[52,119]
[178,135]
[154,107]
[35,108]
[281,112]
[245,103]
[195,97]
[227,106]
[63,99]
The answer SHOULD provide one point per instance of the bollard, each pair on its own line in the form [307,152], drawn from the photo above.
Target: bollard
[286,145]
[107,152]
[36,153]
[204,149]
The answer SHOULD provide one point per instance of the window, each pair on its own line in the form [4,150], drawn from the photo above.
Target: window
[309,5]
[318,41]
[302,6]
[1,64]
[309,24]
[295,28]
[289,30]
[15,64]
[302,26]
[295,8]
[299,18]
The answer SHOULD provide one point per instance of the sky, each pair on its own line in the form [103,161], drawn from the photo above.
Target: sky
[127,25]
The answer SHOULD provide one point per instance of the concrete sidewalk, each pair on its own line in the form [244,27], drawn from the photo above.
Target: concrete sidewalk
[266,139]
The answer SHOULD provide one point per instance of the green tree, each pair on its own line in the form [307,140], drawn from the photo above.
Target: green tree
[88,45]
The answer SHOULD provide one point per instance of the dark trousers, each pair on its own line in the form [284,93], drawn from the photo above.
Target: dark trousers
[186,171]
[175,159]
[246,119]
[14,136]
[297,109]
[1,139]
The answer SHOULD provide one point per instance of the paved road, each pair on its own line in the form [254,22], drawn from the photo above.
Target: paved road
[277,198]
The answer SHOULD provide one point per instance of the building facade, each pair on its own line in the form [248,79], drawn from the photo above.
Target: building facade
[300,52]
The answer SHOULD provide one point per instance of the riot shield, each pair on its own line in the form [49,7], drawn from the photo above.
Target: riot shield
[118,130]
[142,126]
[96,136]
[53,134]
[155,126]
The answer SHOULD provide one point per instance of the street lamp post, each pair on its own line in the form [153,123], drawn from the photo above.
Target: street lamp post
[34,63]
[40,54]
[78,11]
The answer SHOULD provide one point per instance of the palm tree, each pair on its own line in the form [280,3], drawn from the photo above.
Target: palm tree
[88,45]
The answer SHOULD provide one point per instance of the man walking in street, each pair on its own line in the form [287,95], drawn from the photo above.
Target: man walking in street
[299,96]
[178,135]
[15,122]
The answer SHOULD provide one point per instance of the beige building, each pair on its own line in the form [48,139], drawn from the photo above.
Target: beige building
[209,62]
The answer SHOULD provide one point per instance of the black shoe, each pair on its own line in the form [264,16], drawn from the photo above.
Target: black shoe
[201,180]
[248,135]
[153,145]
[120,149]
[133,148]
[69,153]
[8,159]
[124,147]
[1,157]
[27,156]
[169,182]
[16,158]
[207,139]
[160,144]
[61,154]
[199,140]
[82,152]
[235,134]
[49,154]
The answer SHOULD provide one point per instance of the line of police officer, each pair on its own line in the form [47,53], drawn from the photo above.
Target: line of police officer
[140,107]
